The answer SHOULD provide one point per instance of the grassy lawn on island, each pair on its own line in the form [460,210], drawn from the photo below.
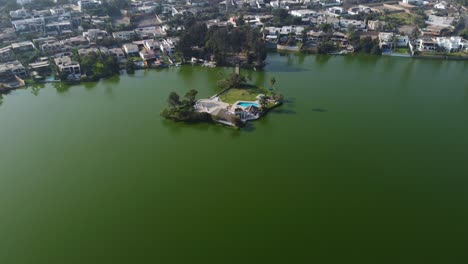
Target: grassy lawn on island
[402,50]
[242,94]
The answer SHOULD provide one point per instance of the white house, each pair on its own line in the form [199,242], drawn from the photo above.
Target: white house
[355,10]
[285,30]
[412,2]
[452,44]
[303,13]
[441,5]
[426,45]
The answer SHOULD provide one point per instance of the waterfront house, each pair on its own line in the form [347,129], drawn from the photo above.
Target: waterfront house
[66,65]
[152,45]
[117,53]
[147,55]
[452,44]
[41,66]
[131,50]
[427,45]
[12,68]
[389,41]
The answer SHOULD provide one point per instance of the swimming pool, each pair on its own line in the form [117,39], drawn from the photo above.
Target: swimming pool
[247,104]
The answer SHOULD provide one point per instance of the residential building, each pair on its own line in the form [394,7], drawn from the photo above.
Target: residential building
[23,46]
[95,34]
[355,10]
[427,45]
[39,41]
[131,50]
[147,55]
[389,41]
[29,25]
[88,5]
[375,24]
[358,24]
[13,68]
[123,35]
[150,32]
[117,53]
[58,28]
[20,14]
[452,44]
[54,47]
[412,2]
[285,30]
[336,10]
[153,45]
[441,5]
[42,66]
[303,13]
[78,42]
[442,21]
[66,65]
[89,51]
[6,54]
[168,45]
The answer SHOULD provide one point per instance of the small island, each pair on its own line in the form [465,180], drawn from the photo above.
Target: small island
[238,103]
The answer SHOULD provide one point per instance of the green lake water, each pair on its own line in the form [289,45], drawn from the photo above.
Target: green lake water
[367,162]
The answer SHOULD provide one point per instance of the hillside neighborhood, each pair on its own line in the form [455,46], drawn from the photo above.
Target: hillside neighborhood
[63,40]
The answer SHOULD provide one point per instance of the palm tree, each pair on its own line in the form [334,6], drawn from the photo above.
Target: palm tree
[263,101]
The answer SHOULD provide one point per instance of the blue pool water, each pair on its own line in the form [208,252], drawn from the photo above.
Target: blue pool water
[246,104]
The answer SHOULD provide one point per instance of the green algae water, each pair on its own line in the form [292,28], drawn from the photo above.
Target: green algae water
[366,162]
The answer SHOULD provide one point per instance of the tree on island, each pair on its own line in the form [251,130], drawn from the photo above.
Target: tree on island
[233,81]
[183,109]
[272,82]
